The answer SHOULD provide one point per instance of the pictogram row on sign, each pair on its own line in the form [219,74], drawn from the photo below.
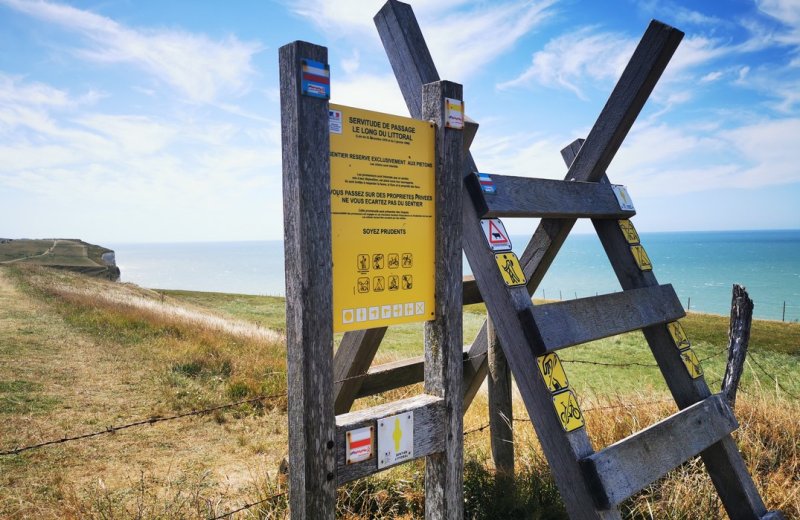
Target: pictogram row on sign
[682,343]
[378,261]
[393,282]
[383,312]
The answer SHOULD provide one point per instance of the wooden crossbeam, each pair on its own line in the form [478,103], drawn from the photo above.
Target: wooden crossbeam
[429,431]
[573,322]
[545,198]
[397,374]
[627,466]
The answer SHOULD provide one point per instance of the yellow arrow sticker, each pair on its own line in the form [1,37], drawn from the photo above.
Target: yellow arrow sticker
[566,405]
[510,269]
[692,363]
[642,260]
[678,335]
[553,372]
[629,231]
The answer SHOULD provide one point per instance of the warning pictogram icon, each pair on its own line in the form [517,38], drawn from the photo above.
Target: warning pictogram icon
[496,235]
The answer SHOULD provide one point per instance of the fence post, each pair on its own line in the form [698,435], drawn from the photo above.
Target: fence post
[783,316]
[738,340]
[501,415]
[309,321]
[444,479]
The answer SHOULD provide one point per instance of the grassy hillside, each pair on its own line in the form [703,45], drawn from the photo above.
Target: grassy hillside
[81,355]
[71,254]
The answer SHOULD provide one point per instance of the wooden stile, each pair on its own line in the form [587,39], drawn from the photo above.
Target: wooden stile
[592,484]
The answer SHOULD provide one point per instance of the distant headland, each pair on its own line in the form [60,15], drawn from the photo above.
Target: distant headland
[62,253]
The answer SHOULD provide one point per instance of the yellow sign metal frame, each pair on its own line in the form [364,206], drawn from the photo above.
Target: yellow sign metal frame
[382,218]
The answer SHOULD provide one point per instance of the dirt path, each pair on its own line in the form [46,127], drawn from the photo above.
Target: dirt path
[54,381]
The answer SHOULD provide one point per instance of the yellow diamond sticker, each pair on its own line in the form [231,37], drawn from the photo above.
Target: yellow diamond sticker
[566,405]
[692,363]
[642,260]
[629,231]
[553,372]
[678,335]
[510,269]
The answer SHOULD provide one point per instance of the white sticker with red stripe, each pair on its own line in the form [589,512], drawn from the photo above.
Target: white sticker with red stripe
[359,444]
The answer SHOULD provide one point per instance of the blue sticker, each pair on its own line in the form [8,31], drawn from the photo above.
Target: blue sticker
[487,185]
[316,79]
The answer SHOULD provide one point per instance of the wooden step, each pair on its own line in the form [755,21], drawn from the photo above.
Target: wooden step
[558,325]
[429,432]
[545,198]
[629,465]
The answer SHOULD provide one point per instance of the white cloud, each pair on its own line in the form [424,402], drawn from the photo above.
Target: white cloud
[371,92]
[572,60]
[462,35]
[200,69]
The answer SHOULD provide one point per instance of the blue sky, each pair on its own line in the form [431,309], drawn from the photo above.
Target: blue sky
[125,121]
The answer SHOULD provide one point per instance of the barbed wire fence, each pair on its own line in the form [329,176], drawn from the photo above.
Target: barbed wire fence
[156,419]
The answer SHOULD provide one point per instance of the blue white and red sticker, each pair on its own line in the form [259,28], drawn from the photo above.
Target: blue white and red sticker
[316,79]
[486,182]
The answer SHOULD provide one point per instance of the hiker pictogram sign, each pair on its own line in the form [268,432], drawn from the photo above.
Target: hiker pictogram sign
[496,234]
[508,263]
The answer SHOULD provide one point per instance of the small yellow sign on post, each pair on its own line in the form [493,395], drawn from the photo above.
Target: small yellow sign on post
[629,231]
[642,260]
[566,405]
[510,269]
[553,372]
[382,218]
[678,335]
[692,363]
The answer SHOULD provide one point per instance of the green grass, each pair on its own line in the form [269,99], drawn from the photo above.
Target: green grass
[24,397]
[23,248]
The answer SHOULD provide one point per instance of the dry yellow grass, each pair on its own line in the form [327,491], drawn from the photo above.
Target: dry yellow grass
[79,354]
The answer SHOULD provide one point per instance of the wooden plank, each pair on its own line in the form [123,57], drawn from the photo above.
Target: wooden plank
[773,515]
[469,291]
[545,198]
[723,461]
[444,472]
[470,129]
[397,374]
[353,358]
[429,432]
[309,321]
[501,414]
[629,465]
[573,322]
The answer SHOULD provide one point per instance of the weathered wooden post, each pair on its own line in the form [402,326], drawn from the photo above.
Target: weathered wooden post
[738,341]
[501,415]
[444,479]
[309,326]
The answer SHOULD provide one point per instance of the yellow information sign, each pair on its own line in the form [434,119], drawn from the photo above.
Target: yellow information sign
[678,335]
[510,269]
[553,372]
[692,363]
[629,231]
[642,260]
[566,405]
[382,218]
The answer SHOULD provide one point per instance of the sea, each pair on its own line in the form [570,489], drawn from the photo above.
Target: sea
[702,266]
